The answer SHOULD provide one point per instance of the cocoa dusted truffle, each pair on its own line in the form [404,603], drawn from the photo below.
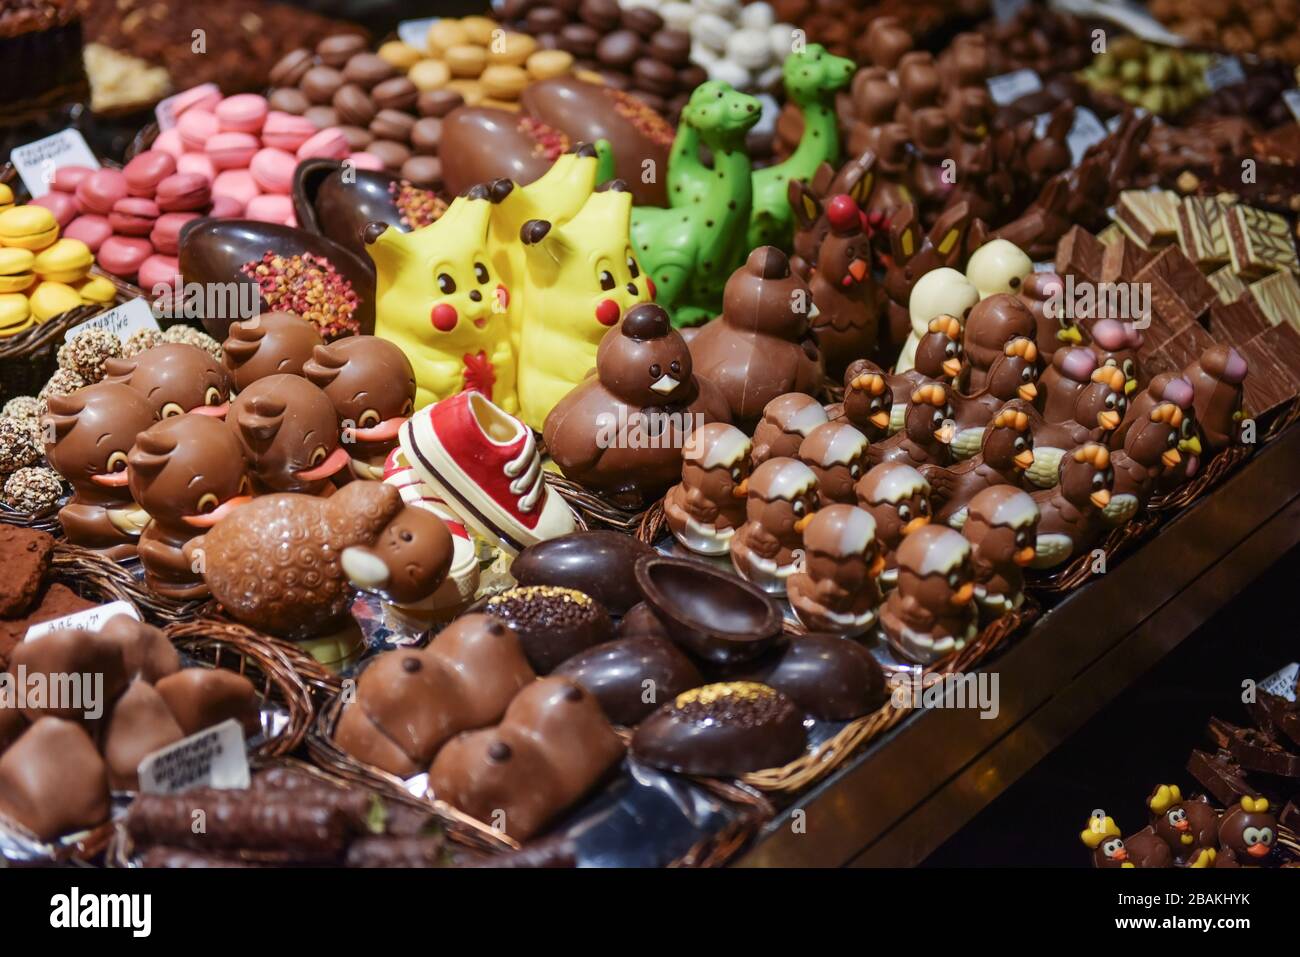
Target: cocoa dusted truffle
[25,557]
[33,490]
[202,697]
[53,781]
[552,623]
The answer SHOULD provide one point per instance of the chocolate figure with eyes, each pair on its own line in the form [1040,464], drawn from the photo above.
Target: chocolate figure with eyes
[1071,512]
[372,385]
[1188,825]
[1247,832]
[781,502]
[1001,526]
[787,420]
[868,399]
[175,378]
[269,344]
[927,430]
[93,429]
[837,454]
[898,498]
[708,505]
[188,473]
[836,588]
[289,433]
[1006,451]
[931,613]
[405,565]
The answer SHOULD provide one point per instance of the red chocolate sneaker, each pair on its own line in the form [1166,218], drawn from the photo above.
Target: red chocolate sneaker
[483,463]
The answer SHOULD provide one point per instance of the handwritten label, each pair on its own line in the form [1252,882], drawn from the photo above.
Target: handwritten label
[1225,71]
[92,619]
[1292,99]
[1009,87]
[165,111]
[123,321]
[1282,682]
[415,33]
[213,758]
[38,162]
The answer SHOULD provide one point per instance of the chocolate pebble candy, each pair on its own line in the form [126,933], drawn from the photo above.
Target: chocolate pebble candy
[643,20]
[322,117]
[289,100]
[655,76]
[631,676]
[202,697]
[620,48]
[391,153]
[671,46]
[353,106]
[392,125]
[335,51]
[399,93]
[426,134]
[358,137]
[141,723]
[423,171]
[438,103]
[603,15]
[544,20]
[579,39]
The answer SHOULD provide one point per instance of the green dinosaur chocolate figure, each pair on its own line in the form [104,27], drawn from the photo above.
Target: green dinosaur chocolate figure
[690,248]
[811,80]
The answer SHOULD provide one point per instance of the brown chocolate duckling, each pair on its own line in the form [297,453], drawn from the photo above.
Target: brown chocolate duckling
[1006,453]
[939,358]
[787,421]
[836,588]
[1217,378]
[372,385]
[898,498]
[621,431]
[708,505]
[1071,513]
[868,399]
[931,613]
[837,454]
[188,472]
[93,429]
[927,430]
[1013,375]
[175,378]
[991,324]
[782,498]
[289,433]
[269,344]
[1002,527]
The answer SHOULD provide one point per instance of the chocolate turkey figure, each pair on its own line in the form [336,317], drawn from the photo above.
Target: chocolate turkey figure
[1150,449]
[175,378]
[836,588]
[927,430]
[1043,294]
[868,399]
[1217,378]
[1006,452]
[787,421]
[898,498]
[272,343]
[1001,526]
[1071,513]
[708,505]
[992,323]
[848,303]
[781,502]
[931,613]
[1189,826]
[1013,375]
[837,454]
[1247,832]
[1097,411]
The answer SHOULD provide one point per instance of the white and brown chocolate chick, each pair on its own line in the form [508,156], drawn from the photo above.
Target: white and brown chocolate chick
[188,472]
[372,385]
[1190,826]
[781,501]
[998,267]
[1002,528]
[1013,375]
[1116,344]
[927,430]
[704,510]
[1102,837]
[602,433]
[1044,294]
[939,358]
[269,344]
[992,323]
[175,378]
[787,421]
[837,454]
[932,611]
[898,498]
[407,563]
[868,399]
[1150,449]
[836,590]
[1216,379]
[92,430]
[1098,411]
[1006,453]
[289,433]
[1247,834]
[1072,512]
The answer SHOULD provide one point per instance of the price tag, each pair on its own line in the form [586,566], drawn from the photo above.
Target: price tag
[92,619]
[213,758]
[1282,683]
[1009,87]
[124,320]
[1225,71]
[415,33]
[165,111]
[37,162]
[1292,100]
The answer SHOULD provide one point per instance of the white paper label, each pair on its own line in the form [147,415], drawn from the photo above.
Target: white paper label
[124,320]
[415,33]
[1048,266]
[37,162]
[165,111]
[92,619]
[1009,87]
[1225,71]
[1292,98]
[213,758]
[1282,682]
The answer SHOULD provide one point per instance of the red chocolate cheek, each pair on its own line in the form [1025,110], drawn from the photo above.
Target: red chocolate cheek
[607,312]
[503,298]
[443,317]
[650,284]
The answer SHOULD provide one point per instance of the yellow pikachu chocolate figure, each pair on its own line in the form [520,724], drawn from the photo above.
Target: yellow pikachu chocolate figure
[581,278]
[440,300]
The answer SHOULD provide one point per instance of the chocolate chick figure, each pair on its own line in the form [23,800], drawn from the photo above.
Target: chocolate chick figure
[175,378]
[1071,513]
[1006,451]
[931,613]
[836,589]
[837,454]
[868,399]
[1190,826]
[1247,832]
[269,344]
[708,505]
[787,420]
[898,497]
[782,498]
[1001,526]
[927,430]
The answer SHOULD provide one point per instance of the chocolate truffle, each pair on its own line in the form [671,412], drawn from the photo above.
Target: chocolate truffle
[202,697]
[553,623]
[141,723]
[25,557]
[53,781]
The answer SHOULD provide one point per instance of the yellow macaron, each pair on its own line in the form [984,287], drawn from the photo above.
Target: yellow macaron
[16,269]
[15,314]
[51,299]
[96,290]
[6,197]
[28,227]
[67,260]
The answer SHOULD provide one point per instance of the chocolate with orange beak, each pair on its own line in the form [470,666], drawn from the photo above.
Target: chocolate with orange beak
[930,614]
[1001,526]
[836,589]
[175,378]
[289,434]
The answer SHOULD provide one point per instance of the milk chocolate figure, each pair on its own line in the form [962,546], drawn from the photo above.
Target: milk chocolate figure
[992,323]
[1006,452]
[927,431]
[781,502]
[188,473]
[1247,833]
[1217,378]
[1044,295]
[1071,512]
[836,590]
[847,300]
[1150,449]
[837,454]
[372,385]
[1097,411]
[175,378]
[787,421]
[1116,344]
[708,505]
[289,433]
[1001,526]
[93,429]
[406,564]
[868,399]
[269,344]
[1189,826]
[898,497]
[931,613]
[1013,375]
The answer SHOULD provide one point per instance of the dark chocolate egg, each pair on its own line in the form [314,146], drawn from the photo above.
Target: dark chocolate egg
[553,624]
[829,677]
[600,563]
[480,144]
[631,677]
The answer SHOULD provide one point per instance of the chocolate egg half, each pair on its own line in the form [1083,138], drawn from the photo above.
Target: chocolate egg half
[602,564]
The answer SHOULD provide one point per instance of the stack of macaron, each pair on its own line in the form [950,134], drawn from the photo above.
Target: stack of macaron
[42,275]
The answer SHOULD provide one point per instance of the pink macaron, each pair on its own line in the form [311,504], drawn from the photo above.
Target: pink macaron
[197,127]
[62,205]
[273,170]
[226,207]
[205,96]
[159,271]
[284,131]
[329,143]
[68,178]
[169,142]
[236,184]
[366,161]
[100,190]
[269,208]
[123,255]
[183,191]
[92,229]
[197,163]
[242,113]
[146,171]
[133,216]
[167,231]
[232,150]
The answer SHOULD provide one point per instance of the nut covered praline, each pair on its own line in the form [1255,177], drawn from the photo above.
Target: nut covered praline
[553,623]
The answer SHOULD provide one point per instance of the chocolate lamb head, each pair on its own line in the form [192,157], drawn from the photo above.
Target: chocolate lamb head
[274,342]
[409,560]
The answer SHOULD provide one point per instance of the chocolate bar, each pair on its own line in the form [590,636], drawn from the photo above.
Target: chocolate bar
[1149,217]
[1253,749]
[1278,297]
[1238,321]
[1220,775]
[1226,284]
[1259,242]
[1182,277]
[1200,232]
[1079,254]
[1276,716]
[1186,345]
[1266,387]
[1122,259]
[1110,235]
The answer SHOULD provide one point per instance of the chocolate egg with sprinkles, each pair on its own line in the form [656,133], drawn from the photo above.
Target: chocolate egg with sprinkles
[722,730]
[553,623]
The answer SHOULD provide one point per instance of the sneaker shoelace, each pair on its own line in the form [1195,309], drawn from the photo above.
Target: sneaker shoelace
[529,463]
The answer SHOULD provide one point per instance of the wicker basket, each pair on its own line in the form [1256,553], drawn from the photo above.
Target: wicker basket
[80,563]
